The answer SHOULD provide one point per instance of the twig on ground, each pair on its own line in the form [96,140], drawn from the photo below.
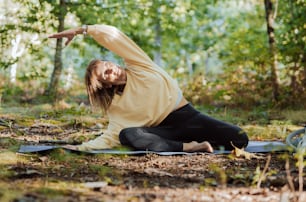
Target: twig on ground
[289,177]
[301,168]
[264,171]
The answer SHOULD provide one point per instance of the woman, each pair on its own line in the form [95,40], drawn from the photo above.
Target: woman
[145,106]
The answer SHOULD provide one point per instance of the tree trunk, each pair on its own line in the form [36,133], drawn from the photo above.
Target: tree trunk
[58,65]
[272,46]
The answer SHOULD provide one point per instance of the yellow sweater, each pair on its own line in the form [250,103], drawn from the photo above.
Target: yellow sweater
[150,93]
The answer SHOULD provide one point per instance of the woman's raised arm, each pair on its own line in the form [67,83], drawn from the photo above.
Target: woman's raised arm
[116,41]
[112,39]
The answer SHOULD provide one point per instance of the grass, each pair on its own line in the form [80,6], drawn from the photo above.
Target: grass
[8,193]
[260,116]
[66,111]
[9,159]
[259,123]
[39,190]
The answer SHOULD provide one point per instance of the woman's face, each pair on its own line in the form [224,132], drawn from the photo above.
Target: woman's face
[110,74]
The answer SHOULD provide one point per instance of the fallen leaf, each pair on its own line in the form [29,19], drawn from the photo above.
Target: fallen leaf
[244,154]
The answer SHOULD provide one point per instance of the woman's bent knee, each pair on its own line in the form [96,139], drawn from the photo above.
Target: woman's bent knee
[242,140]
[123,136]
[127,135]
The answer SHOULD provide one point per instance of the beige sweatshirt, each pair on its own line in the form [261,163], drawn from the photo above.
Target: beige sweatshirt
[150,93]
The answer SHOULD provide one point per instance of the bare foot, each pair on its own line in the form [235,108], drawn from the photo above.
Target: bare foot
[198,147]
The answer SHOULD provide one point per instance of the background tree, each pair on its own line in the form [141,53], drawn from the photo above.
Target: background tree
[60,11]
[271,10]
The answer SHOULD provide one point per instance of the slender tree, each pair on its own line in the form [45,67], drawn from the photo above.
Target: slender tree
[270,16]
[58,64]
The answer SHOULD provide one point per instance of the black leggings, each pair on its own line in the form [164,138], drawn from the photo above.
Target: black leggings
[181,126]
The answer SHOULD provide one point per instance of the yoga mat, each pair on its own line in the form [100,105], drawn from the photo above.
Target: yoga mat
[253,147]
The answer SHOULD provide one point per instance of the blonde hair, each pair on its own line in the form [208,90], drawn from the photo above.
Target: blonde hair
[97,94]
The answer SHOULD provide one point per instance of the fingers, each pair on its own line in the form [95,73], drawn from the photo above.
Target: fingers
[52,36]
[59,36]
[69,39]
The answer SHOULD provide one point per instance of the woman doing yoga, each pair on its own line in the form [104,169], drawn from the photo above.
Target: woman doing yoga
[145,106]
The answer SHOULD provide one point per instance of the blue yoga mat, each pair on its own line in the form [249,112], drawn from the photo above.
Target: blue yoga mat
[253,147]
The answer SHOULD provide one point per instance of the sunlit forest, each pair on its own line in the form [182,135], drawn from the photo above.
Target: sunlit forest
[228,53]
[241,61]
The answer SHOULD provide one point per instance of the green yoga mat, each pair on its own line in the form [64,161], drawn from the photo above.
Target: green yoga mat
[253,147]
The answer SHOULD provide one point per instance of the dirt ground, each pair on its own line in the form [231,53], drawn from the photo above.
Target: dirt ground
[61,175]
[201,177]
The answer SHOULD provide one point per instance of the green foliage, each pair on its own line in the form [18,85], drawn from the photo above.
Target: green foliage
[61,155]
[9,143]
[29,20]
[220,176]
[8,194]
[195,39]
[291,34]
[51,193]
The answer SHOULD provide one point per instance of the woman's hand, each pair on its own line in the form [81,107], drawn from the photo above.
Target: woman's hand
[69,34]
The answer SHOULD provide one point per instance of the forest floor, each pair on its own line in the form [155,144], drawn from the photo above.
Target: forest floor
[61,175]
